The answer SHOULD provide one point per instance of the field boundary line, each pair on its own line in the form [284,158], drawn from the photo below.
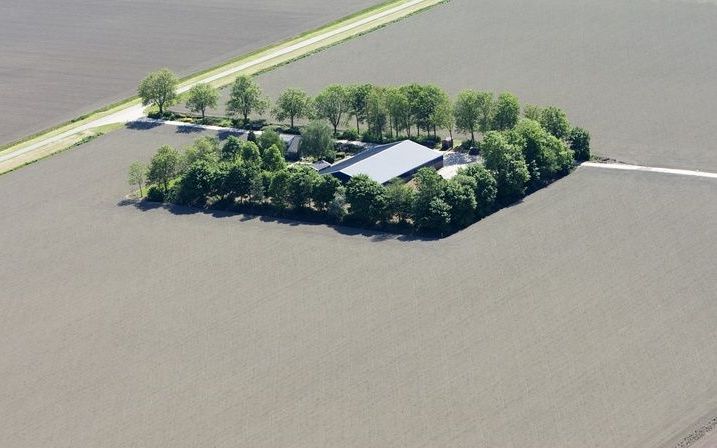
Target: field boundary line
[133,110]
[650,169]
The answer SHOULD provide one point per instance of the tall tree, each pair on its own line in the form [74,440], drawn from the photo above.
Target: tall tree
[317,141]
[555,121]
[273,159]
[506,162]
[246,98]
[443,116]
[202,97]
[485,187]
[399,200]
[366,199]
[292,104]
[164,167]
[473,112]
[332,104]
[507,112]
[136,175]
[376,112]
[159,88]
[358,100]
[580,143]
[398,109]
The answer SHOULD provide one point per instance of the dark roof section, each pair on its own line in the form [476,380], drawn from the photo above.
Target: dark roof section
[385,162]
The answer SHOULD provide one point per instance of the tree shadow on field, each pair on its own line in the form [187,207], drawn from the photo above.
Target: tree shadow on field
[188,129]
[180,210]
[141,125]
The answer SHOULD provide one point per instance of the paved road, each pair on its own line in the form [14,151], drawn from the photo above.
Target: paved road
[135,112]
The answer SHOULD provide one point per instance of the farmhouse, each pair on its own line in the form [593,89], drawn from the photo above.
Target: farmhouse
[385,162]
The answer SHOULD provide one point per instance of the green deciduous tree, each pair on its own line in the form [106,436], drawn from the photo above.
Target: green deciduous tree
[532,112]
[246,98]
[398,109]
[332,104]
[324,191]
[430,189]
[317,141]
[202,97]
[279,188]
[545,155]
[302,181]
[507,112]
[273,159]
[203,148]
[506,162]
[461,199]
[159,88]
[198,183]
[473,112]
[292,104]
[485,187]
[231,148]
[270,138]
[136,176]
[376,112]
[357,101]
[554,120]
[250,153]
[366,199]
[164,167]
[238,179]
[399,200]
[580,143]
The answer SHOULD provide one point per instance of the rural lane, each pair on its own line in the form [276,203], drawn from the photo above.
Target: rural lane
[134,112]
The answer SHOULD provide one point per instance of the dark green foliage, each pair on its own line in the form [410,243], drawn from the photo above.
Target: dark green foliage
[273,159]
[333,105]
[351,135]
[203,148]
[431,189]
[231,148]
[325,190]
[317,141]
[366,199]
[155,194]
[292,104]
[198,183]
[246,98]
[462,200]
[554,120]
[580,143]
[302,181]
[164,166]
[437,216]
[506,162]
[507,112]
[337,207]
[159,88]
[201,97]
[546,155]
[250,153]
[485,187]
[279,189]
[238,180]
[251,137]
[399,200]
[357,101]
[269,138]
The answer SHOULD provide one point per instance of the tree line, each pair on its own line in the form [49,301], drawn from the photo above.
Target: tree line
[382,112]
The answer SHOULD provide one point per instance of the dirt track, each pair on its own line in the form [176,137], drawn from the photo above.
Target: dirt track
[63,59]
[639,73]
[582,317]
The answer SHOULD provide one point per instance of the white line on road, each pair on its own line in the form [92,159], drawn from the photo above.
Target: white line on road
[649,169]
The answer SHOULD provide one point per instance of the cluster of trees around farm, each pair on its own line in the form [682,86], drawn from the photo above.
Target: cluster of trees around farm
[520,155]
[387,113]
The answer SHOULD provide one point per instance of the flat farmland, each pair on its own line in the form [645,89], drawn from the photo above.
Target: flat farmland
[59,60]
[640,74]
[583,316]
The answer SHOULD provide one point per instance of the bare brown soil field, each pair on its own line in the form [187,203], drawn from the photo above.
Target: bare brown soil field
[59,60]
[583,316]
[639,73]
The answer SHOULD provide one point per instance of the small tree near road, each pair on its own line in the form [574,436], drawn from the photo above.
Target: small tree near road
[201,98]
[246,98]
[159,88]
[136,175]
[292,104]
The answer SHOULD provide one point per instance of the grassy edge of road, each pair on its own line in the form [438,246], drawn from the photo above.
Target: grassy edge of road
[198,76]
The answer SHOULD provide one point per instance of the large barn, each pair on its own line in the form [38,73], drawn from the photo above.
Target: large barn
[385,162]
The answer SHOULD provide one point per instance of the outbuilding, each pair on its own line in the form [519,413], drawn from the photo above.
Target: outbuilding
[385,162]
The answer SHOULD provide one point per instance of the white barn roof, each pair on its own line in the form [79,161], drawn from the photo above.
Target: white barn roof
[385,162]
